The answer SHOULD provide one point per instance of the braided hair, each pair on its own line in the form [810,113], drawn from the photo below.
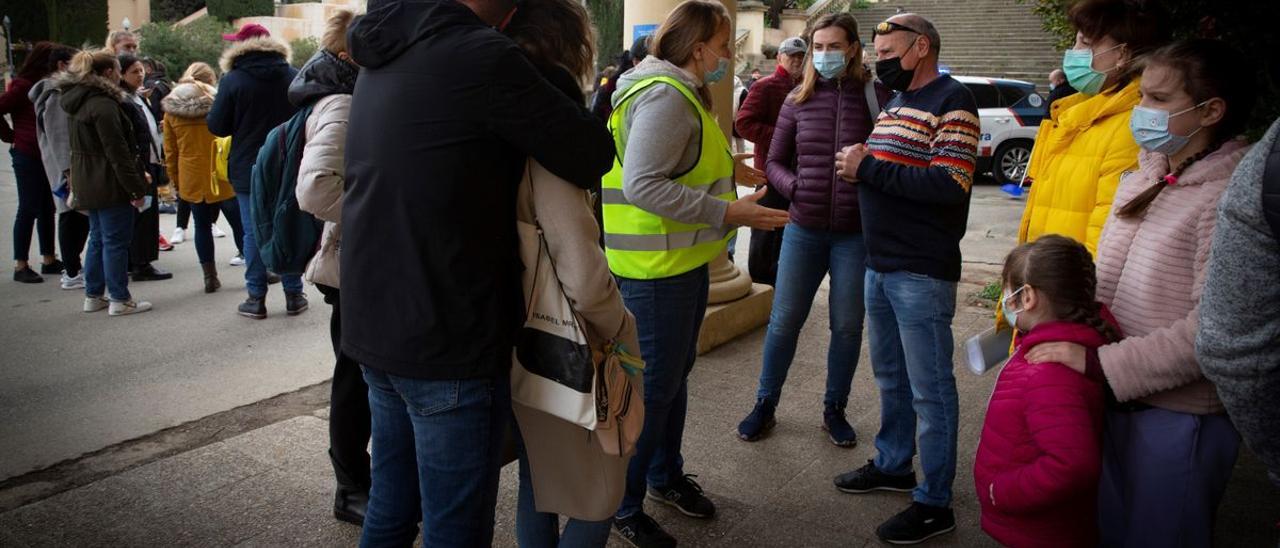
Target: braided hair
[1209,69]
[1062,270]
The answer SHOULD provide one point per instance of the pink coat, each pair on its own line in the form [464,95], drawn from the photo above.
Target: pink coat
[1040,455]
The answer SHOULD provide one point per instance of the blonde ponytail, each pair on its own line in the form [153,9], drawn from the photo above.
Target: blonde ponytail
[92,62]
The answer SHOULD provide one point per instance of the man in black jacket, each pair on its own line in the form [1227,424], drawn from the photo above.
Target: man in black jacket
[444,115]
[252,100]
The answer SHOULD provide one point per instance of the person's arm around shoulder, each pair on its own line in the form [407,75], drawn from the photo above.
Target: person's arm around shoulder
[782,153]
[531,114]
[1063,409]
[1165,358]
[222,117]
[321,175]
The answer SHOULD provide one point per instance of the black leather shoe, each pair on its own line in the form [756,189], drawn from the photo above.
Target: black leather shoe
[295,303]
[253,307]
[349,504]
[273,278]
[55,267]
[149,273]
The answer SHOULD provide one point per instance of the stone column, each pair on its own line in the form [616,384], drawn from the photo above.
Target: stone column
[739,306]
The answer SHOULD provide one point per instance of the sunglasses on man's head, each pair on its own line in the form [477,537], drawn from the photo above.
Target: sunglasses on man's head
[889,26]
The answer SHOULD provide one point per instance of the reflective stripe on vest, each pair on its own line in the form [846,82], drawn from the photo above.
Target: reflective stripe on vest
[645,246]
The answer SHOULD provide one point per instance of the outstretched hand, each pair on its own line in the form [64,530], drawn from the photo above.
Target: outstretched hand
[745,211]
[744,174]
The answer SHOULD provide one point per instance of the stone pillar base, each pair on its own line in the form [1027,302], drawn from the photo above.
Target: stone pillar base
[728,321]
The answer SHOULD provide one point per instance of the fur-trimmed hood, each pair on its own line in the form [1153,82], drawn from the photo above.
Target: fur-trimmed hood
[188,101]
[76,91]
[240,52]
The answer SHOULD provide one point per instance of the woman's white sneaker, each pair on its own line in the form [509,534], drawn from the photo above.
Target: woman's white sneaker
[179,236]
[238,260]
[217,232]
[124,308]
[94,304]
[73,282]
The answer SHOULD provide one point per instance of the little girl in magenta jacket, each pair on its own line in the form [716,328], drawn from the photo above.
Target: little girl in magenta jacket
[1040,455]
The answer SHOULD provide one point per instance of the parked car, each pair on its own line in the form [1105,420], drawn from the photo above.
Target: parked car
[1011,111]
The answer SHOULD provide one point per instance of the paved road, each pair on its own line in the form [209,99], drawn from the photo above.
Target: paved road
[72,383]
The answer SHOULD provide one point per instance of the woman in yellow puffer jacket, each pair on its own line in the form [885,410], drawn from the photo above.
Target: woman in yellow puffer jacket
[1085,144]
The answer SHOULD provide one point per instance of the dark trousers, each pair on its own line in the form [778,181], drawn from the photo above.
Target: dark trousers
[73,232]
[35,206]
[206,214]
[145,246]
[349,421]
[184,214]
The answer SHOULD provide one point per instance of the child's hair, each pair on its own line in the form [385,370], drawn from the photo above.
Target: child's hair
[1062,270]
[1208,69]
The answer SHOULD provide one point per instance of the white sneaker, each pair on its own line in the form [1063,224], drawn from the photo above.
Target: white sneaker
[76,282]
[179,236]
[217,232]
[124,308]
[94,304]
[238,260]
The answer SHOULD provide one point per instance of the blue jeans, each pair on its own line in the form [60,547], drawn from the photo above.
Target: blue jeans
[909,325]
[255,271]
[35,205]
[106,261]
[437,447]
[536,529]
[1163,475]
[807,256]
[668,315]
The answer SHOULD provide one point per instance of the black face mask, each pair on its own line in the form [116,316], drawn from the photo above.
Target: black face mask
[890,72]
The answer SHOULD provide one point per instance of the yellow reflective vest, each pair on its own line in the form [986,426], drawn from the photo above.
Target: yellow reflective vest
[644,246]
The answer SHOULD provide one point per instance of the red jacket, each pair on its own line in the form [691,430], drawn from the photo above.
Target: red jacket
[18,106]
[758,114]
[1040,456]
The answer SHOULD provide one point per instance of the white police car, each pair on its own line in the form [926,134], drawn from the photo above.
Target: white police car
[1011,112]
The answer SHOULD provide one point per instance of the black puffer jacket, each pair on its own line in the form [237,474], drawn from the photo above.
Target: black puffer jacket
[443,117]
[252,100]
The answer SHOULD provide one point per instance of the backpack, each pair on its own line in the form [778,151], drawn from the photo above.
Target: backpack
[287,237]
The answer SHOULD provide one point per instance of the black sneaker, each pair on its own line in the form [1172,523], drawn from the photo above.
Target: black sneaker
[27,276]
[686,496]
[869,478]
[149,273]
[839,431]
[253,307]
[641,531]
[759,422]
[916,524]
[295,304]
[55,267]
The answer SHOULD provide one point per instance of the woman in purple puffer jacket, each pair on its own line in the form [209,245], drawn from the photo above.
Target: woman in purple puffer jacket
[834,107]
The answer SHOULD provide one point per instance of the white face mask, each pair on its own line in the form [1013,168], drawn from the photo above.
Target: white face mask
[1010,315]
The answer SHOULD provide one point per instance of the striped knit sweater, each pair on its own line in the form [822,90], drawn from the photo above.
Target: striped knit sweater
[914,188]
[1151,272]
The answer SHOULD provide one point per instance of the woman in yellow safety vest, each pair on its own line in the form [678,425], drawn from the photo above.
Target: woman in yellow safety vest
[670,207]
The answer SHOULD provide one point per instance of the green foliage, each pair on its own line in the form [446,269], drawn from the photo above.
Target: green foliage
[991,292]
[303,49]
[228,10]
[179,46]
[606,17]
[1248,26]
[173,10]
[71,22]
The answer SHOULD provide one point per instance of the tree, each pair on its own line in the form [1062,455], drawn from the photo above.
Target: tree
[179,46]
[606,16]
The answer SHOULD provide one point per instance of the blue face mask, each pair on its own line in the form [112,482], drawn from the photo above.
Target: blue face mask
[1150,129]
[1078,65]
[722,69]
[829,64]
[1010,315]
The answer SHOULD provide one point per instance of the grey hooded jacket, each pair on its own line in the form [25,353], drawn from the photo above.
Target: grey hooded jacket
[52,131]
[1238,345]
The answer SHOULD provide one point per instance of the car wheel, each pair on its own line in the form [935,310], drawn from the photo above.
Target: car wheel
[1009,164]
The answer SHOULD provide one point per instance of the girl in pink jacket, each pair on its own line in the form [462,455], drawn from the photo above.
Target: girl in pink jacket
[1169,447]
[1040,454]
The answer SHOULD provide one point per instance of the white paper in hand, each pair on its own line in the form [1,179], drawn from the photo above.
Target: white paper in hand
[988,349]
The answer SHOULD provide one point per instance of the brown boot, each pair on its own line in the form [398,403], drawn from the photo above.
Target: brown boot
[211,282]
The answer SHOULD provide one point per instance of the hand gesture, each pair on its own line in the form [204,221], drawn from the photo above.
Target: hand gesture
[744,174]
[1069,354]
[848,160]
[746,212]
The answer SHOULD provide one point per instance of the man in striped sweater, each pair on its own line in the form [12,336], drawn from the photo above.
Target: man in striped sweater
[913,178]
